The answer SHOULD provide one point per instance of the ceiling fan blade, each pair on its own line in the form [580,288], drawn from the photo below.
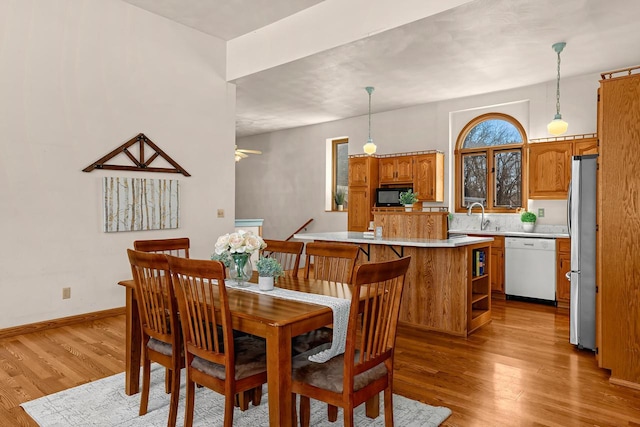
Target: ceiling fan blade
[242,150]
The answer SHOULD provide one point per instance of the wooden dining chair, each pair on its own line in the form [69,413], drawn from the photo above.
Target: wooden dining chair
[213,357]
[334,262]
[287,253]
[331,261]
[366,367]
[176,247]
[161,337]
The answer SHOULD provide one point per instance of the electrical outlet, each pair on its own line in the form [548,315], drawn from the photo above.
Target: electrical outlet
[220,213]
[540,212]
[66,293]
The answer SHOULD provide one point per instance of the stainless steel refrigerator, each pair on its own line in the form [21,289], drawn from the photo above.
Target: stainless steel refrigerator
[581,219]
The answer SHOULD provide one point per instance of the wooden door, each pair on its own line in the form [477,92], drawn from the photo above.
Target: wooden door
[428,177]
[387,170]
[404,169]
[425,178]
[587,146]
[563,266]
[549,170]
[358,171]
[618,262]
[497,265]
[359,209]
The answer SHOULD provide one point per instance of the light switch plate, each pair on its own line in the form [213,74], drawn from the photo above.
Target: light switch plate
[220,213]
[540,212]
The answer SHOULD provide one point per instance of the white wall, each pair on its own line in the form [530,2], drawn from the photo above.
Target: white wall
[79,78]
[285,185]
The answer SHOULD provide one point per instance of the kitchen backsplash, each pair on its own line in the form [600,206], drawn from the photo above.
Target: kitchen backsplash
[498,222]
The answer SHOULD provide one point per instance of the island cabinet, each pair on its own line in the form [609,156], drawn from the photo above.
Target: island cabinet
[428,177]
[447,287]
[550,163]
[443,292]
[363,181]
[563,266]
[396,170]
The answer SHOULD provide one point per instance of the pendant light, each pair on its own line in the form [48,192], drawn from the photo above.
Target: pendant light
[557,125]
[369,147]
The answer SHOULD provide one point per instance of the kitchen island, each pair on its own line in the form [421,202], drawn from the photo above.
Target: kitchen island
[448,285]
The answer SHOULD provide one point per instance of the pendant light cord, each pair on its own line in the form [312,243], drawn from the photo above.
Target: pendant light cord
[557,88]
[370,114]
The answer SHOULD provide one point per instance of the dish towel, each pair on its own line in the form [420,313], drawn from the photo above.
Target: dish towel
[339,306]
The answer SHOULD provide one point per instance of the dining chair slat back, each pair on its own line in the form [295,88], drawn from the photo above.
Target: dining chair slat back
[366,367]
[161,336]
[334,262]
[287,253]
[213,358]
[177,247]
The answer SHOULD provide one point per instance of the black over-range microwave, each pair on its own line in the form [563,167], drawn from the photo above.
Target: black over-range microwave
[389,196]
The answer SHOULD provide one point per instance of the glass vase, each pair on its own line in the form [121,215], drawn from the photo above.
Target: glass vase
[240,269]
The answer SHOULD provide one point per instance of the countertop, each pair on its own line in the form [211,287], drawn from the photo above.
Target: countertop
[357,237]
[537,234]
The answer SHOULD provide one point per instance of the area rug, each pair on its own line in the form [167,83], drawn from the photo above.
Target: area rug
[104,403]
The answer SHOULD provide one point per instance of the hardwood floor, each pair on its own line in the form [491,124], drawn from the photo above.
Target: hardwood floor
[519,370]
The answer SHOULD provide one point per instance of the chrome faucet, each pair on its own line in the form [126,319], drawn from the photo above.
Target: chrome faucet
[483,223]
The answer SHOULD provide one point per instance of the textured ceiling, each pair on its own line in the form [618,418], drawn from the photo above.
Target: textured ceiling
[480,47]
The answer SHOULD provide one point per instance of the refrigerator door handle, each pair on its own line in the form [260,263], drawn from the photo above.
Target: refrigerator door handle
[569,209]
[574,310]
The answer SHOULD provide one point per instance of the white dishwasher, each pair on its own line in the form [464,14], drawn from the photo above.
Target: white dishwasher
[530,268]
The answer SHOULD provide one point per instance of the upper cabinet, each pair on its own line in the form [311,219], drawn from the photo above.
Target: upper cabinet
[363,181]
[428,177]
[550,164]
[396,170]
[359,171]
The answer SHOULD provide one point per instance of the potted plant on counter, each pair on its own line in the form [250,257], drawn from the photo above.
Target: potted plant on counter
[528,220]
[269,269]
[339,199]
[408,198]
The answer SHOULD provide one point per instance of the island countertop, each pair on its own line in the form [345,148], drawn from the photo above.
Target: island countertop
[358,237]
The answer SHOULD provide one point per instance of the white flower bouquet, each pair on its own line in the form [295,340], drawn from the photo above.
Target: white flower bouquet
[241,241]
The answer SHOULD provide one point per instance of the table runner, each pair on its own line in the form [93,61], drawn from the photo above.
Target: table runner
[339,306]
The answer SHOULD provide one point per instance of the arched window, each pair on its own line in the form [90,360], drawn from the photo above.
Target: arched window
[490,163]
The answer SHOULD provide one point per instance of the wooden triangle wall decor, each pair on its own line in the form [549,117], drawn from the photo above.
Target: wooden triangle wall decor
[140,164]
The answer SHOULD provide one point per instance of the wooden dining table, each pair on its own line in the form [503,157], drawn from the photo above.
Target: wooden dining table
[275,319]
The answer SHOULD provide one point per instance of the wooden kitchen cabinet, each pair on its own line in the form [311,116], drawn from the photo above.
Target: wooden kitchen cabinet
[396,170]
[588,146]
[428,177]
[363,181]
[549,170]
[359,171]
[550,164]
[497,266]
[563,266]
[617,237]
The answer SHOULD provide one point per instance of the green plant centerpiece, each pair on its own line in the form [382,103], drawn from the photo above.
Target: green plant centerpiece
[338,197]
[269,269]
[408,198]
[528,220]
[527,217]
